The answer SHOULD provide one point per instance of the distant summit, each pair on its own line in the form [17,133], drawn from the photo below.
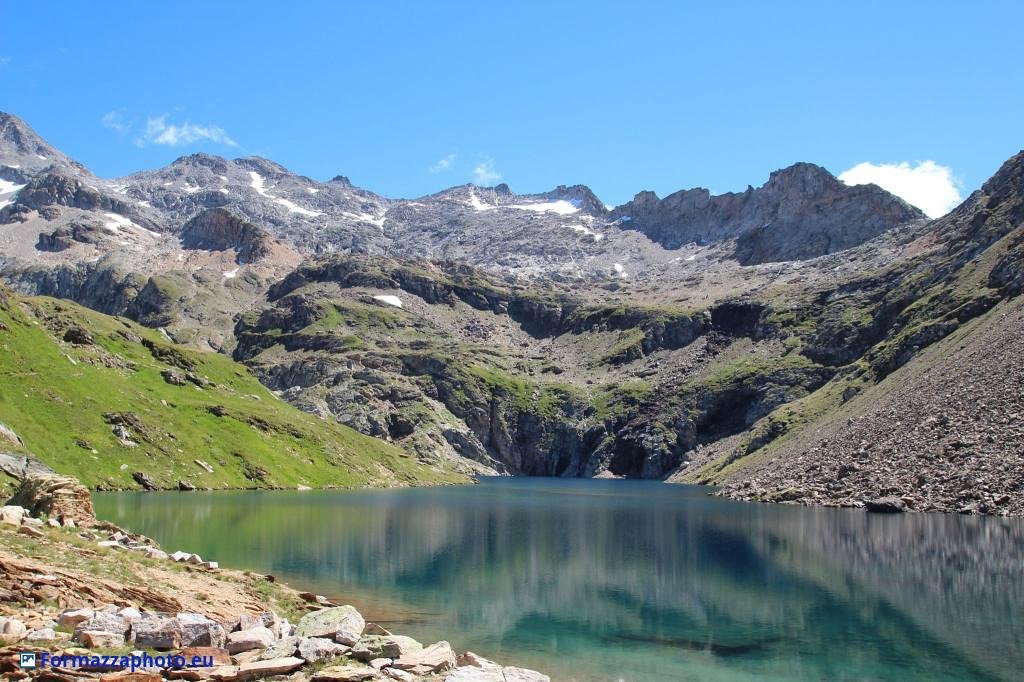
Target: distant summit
[801,212]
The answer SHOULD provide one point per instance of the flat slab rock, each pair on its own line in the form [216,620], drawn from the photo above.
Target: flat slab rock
[256,669]
[885,505]
[315,649]
[473,668]
[351,672]
[248,640]
[436,658]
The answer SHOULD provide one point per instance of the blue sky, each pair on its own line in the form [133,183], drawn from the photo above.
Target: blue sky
[407,98]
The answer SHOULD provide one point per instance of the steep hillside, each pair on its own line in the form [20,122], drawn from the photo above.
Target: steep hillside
[519,379]
[941,429]
[943,433]
[119,406]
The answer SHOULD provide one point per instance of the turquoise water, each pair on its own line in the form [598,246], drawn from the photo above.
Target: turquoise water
[632,580]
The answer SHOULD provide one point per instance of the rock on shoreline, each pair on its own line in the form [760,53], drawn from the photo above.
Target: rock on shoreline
[328,644]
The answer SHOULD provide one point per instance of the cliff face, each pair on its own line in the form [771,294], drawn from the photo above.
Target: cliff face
[220,230]
[802,212]
[928,416]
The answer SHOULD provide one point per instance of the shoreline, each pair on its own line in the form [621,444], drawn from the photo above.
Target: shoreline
[735,492]
[66,592]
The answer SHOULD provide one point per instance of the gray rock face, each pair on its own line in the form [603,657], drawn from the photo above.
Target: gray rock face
[370,647]
[315,649]
[157,633]
[24,151]
[248,640]
[198,630]
[218,229]
[103,622]
[802,212]
[342,623]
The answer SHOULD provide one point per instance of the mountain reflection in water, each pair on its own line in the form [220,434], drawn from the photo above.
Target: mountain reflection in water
[632,580]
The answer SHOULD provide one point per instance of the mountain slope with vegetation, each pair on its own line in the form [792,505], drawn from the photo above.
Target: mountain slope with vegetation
[933,345]
[118,406]
[480,331]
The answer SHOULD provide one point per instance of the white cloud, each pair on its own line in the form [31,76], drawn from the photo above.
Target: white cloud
[5,62]
[158,131]
[929,186]
[484,173]
[443,164]
[115,121]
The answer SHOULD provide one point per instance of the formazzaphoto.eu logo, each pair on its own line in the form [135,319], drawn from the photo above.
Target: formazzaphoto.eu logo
[27,660]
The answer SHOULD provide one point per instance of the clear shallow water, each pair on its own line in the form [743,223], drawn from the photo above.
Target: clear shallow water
[632,580]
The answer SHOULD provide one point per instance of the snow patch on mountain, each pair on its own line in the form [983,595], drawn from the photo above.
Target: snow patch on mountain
[116,222]
[258,184]
[389,299]
[587,232]
[8,191]
[561,207]
[367,218]
[476,204]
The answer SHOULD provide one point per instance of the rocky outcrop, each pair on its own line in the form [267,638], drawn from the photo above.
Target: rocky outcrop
[63,238]
[104,286]
[60,497]
[802,211]
[22,466]
[61,188]
[219,229]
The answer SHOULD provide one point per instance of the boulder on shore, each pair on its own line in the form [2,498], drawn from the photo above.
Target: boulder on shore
[56,496]
[342,623]
[247,640]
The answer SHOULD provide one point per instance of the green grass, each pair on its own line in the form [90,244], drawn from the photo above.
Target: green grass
[747,368]
[547,400]
[354,314]
[617,399]
[628,347]
[57,407]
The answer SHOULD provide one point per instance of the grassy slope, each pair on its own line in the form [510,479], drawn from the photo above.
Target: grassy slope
[52,402]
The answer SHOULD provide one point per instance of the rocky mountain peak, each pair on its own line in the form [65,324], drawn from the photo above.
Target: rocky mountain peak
[16,132]
[1008,180]
[802,177]
[262,166]
[217,164]
[801,212]
[24,151]
[579,195]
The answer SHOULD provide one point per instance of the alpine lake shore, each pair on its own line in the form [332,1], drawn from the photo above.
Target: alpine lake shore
[75,586]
